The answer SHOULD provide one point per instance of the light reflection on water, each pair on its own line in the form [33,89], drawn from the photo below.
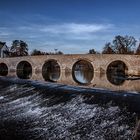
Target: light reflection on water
[114,81]
[83,72]
[117,72]
[54,76]
[83,76]
[51,71]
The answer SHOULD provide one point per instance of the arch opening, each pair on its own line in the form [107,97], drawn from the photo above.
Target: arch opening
[24,70]
[117,72]
[82,72]
[51,71]
[3,69]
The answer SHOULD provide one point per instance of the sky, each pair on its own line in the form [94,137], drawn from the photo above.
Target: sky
[70,26]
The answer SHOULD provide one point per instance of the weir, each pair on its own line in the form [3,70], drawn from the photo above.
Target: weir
[132,98]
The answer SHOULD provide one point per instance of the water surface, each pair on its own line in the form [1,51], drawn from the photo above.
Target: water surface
[27,113]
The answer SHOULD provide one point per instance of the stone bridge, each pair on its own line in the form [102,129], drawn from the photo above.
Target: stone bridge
[99,66]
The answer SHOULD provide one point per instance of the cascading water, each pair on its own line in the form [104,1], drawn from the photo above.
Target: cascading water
[27,113]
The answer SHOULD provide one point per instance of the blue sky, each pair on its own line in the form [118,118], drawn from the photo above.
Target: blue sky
[71,26]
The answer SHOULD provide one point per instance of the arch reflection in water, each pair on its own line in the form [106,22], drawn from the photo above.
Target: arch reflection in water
[24,70]
[3,69]
[51,71]
[117,72]
[82,72]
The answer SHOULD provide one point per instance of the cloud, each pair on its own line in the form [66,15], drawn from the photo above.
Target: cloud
[67,37]
[74,28]
[4,31]
[74,31]
[65,31]
[66,47]
[47,34]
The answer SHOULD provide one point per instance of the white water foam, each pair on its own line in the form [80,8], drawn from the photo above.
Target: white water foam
[1,97]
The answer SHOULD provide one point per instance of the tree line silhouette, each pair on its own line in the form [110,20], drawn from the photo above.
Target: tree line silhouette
[38,52]
[119,45]
[20,48]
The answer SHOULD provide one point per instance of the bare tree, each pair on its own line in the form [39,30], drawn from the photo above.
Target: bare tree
[124,44]
[108,49]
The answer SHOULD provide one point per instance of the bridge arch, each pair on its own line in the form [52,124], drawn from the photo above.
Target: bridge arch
[51,70]
[3,69]
[82,71]
[6,62]
[116,72]
[122,58]
[24,70]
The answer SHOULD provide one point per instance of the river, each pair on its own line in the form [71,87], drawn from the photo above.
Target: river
[27,113]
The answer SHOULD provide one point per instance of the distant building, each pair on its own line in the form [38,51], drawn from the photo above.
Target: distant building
[3,50]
